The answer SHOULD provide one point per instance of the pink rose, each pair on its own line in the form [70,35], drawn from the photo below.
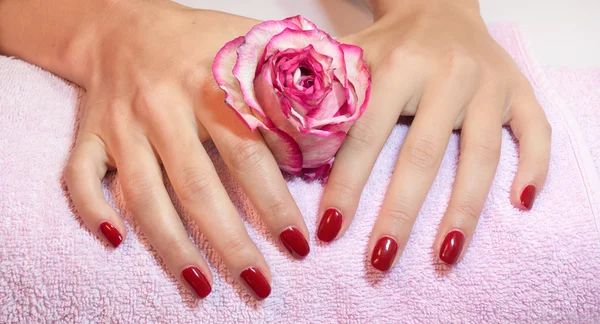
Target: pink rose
[300,87]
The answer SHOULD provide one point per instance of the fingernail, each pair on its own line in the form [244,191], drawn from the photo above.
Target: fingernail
[452,246]
[257,282]
[194,277]
[528,196]
[111,233]
[384,253]
[330,225]
[294,241]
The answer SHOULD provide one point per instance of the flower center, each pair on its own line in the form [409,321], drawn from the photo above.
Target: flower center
[303,78]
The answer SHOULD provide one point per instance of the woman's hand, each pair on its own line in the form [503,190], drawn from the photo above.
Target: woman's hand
[150,99]
[435,60]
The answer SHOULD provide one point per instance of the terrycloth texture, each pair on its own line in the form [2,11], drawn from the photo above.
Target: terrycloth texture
[538,266]
[579,91]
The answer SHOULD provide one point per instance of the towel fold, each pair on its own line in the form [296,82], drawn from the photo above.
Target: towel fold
[537,266]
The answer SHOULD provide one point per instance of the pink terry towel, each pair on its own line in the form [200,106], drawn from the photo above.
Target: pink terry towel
[541,266]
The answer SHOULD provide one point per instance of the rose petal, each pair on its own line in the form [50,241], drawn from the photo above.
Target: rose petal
[250,56]
[318,146]
[358,91]
[330,105]
[302,22]
[359,75]
[321,41]
[222,71]
[278,109]
[321,172]
[288,79]
[285,150]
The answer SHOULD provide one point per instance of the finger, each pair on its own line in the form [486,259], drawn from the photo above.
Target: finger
[356,157]
[532,130]
[254,167]
[416,168]
[84,172]
[147,199]
[200,191]
[481,139]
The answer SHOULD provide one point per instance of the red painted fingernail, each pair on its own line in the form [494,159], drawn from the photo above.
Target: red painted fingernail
[330,225]
[528,196]
[111,233]
[194,277]
[294,241]
[452,246]
[384,253]
[257,282]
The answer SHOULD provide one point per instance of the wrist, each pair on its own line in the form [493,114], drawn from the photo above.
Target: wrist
[124,33]
[60,36]
[82,46]
[382,8]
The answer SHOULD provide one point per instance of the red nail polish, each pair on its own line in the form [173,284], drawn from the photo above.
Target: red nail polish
[528,196]
[384,253]
[452,246]
[111,233]
[194,277]
[330,225]
[294,241]
[257,282]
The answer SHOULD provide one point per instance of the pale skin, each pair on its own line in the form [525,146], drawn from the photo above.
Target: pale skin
[150,100]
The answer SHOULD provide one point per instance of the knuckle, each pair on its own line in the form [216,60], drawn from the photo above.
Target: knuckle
[143,106]
[277,208]
[194,185]
[462,64]
[151,101]
[400,216]
[343,189]
[401,213]
[402,57]
[138,188]
[233,247]
[73,168]
[197,77]
[246,155]
[495,80]
[171,248]
[118,122]
[114,114]
[485,152]
[422,155]
[467,209]
[361,135]
[546,129]
[398,56]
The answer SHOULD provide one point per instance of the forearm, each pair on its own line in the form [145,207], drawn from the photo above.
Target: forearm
[55,35]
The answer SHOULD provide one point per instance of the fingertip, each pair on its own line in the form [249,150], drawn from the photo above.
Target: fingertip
[384,255]
[111,234]
[295,242]
[524,195]
[452,247]
[330,225]
[199,282]
[534,133]
[257,282]
[84,172]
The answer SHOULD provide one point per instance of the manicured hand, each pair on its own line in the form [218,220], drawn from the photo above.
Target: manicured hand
[150,100]
[436,61]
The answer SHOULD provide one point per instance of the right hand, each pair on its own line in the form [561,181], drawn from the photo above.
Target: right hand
[150,100]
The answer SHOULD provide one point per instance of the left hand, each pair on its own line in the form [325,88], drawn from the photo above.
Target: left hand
[435,60]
